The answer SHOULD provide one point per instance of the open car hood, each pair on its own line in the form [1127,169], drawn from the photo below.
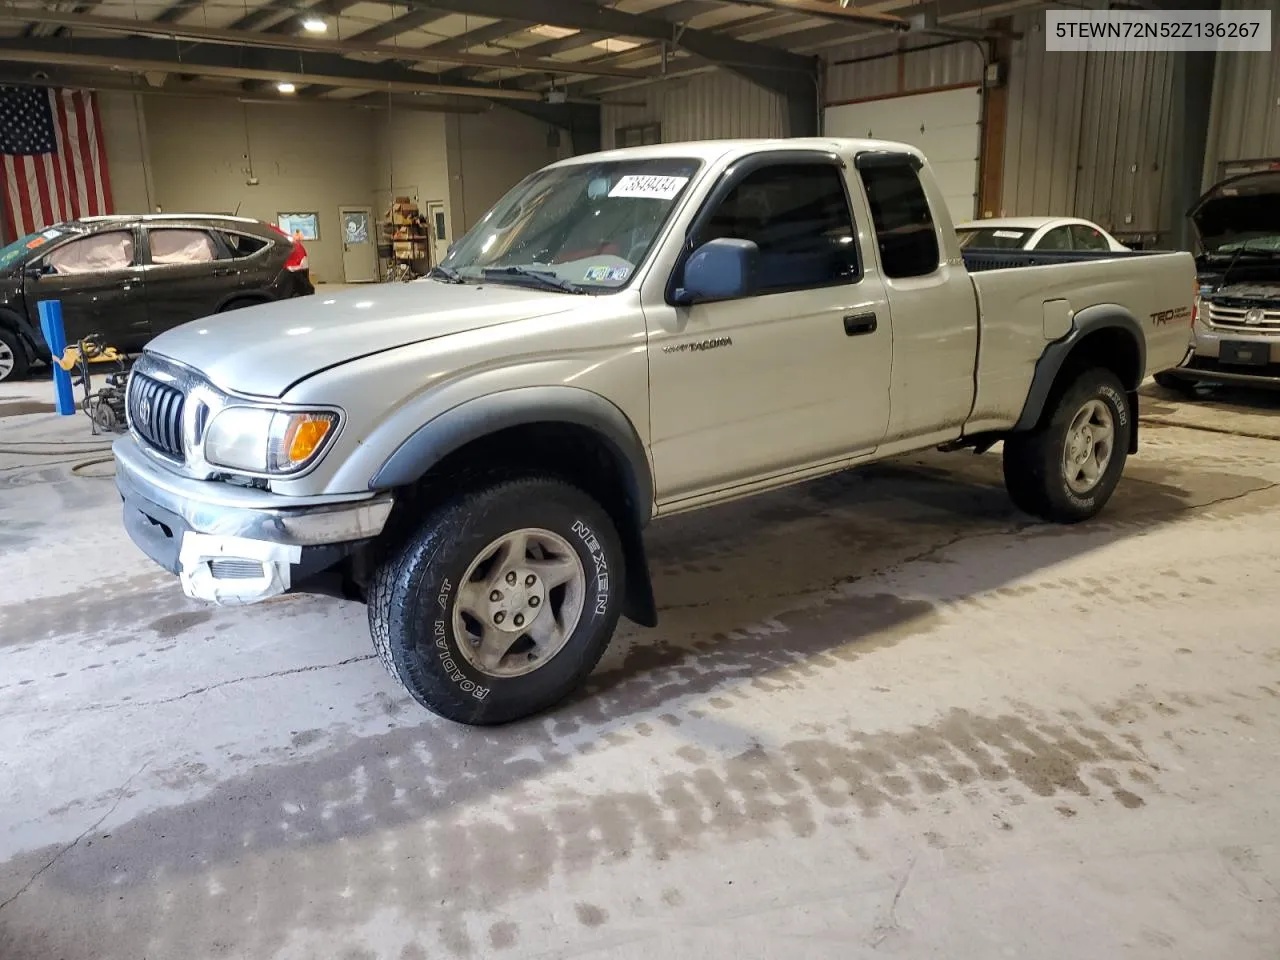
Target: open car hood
[1237,209]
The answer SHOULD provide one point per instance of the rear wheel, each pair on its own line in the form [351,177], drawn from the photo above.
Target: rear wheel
[502,602]
[1067,468]
[13,356]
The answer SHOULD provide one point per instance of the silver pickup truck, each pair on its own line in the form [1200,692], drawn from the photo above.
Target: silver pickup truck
[624,336]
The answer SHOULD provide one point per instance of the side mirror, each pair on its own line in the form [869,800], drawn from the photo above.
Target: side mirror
[724,269]
[34,271]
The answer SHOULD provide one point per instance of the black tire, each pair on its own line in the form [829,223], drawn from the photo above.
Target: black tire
[414,592]
[1183,386]
[12,345]
[1034,471]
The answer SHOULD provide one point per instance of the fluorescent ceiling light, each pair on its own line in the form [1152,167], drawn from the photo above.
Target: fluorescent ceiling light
[616,45]
[555,33]
[314,25]
[284,86]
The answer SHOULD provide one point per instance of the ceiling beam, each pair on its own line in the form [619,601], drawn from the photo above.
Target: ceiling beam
[673,13]
[124,83]
[583,15]
[826,11]
[218,35]
[222,60]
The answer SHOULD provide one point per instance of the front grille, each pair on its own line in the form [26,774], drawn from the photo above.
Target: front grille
[1244,318]
[155,413]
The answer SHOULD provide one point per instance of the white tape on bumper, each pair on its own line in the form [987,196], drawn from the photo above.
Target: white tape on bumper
[200,550]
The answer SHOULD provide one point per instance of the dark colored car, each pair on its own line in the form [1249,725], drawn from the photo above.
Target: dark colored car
[1236,326]
[129,278]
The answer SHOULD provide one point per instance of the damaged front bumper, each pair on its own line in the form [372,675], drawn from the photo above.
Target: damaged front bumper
[233,545]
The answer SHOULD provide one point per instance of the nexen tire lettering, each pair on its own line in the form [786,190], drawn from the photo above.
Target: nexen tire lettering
[592,543]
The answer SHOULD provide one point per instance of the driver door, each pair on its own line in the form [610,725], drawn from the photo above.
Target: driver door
[99,283]
[793,377]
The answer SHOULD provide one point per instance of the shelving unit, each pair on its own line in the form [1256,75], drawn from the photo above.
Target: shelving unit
[406,238]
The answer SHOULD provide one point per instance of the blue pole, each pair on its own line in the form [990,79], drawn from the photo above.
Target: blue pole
[55,335]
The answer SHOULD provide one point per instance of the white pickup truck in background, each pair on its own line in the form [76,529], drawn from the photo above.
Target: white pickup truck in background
[624,336]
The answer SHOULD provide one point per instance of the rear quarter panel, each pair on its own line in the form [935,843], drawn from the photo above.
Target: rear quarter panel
[1025,309]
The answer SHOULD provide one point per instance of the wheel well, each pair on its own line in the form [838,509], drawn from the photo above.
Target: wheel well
[248,300]
[1112,348]
[573,453]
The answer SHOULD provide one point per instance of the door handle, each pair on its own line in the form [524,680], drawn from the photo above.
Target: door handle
[857,324]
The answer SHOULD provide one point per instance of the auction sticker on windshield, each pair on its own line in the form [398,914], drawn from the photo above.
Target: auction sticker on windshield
[649,188]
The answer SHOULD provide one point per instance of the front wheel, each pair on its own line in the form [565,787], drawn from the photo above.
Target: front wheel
[1067,468]
[13,356]
[502,602]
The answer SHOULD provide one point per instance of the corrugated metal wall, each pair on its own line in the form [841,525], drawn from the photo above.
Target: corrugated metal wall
[706,106]
[1244,120]
[936,67]
[1090,135]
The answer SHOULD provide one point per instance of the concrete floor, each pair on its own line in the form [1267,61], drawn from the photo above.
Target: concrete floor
[884,715]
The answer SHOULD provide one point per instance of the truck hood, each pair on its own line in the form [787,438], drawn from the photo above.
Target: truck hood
[1238,208]
[264,350]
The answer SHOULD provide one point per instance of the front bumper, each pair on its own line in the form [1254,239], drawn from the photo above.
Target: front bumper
[233,545]
[1203,361]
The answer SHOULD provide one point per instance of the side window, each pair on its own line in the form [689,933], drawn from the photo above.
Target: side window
[1087,238]
[243,245]
[1059,238]
[798,215]
[98,253]
[177,245]
[903,221]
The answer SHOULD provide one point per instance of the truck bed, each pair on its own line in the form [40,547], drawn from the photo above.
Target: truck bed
[1022,311]
[977,260]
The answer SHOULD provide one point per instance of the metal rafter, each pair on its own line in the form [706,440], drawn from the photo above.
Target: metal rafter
[515,60]
[210,59]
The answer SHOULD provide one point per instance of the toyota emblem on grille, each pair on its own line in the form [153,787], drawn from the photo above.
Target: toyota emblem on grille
[144,411]
[1254,316]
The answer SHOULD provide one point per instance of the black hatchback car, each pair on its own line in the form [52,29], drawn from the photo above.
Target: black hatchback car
[129,278]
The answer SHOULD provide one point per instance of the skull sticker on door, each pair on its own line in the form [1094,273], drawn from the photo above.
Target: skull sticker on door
[355,226]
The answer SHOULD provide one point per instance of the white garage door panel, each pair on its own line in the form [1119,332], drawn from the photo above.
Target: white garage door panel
[945,126]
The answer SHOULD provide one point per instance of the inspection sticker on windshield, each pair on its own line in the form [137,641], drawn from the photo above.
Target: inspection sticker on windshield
[649,188]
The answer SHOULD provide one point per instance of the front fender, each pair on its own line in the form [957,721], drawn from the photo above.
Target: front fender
[485,415]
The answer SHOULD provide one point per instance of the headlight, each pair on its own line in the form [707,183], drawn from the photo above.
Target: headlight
[259,440]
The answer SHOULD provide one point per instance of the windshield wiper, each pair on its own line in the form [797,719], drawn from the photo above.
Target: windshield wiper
[542,278]
[447,274]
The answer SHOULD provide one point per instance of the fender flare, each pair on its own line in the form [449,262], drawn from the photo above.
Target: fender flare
[31,338]
[1102,316]
[474,419]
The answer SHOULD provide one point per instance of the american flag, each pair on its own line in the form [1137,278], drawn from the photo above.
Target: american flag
[54,163]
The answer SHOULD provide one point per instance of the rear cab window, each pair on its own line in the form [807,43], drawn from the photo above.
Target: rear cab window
[900,212]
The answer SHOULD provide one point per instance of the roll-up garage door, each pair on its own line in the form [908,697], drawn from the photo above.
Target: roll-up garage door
[945,124]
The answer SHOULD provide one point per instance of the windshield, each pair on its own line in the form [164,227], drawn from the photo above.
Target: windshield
[992,238]
[580,228]
[19,249]
[1264,243]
